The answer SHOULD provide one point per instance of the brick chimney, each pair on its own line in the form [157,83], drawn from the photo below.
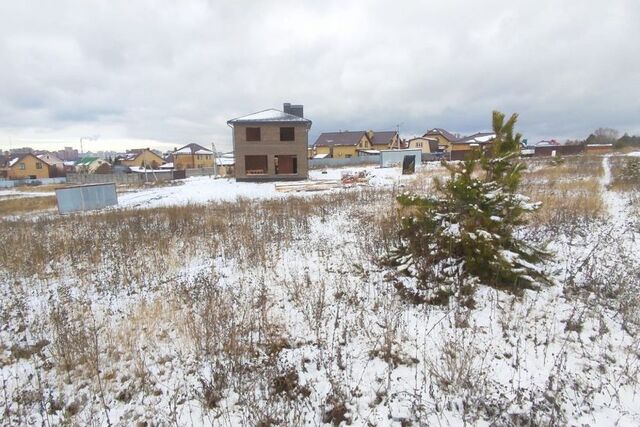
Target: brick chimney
[296,110]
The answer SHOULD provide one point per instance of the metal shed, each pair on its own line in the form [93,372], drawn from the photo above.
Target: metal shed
[88,197]
[390,158]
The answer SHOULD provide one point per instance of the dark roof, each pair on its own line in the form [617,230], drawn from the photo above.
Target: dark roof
[383,137]
[193,149]
[269,116]
[330,139]
[476,138]
[439,131]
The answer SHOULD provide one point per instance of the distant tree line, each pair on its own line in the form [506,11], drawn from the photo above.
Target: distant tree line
[611,136]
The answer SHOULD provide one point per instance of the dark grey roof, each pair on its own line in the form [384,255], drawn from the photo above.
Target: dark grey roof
[439,131]
[193,149]
[383,137]
[269,116]
[330,139]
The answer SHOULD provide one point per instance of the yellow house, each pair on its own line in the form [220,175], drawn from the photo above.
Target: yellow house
[28,166]
[142,158]
[478,141]
[427,145]
[192,156]
[384,140]
[444,138]
[342,145]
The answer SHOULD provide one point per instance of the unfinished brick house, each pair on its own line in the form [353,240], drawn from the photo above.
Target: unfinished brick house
[271,145]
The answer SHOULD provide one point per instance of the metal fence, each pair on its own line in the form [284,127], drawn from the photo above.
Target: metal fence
[138,177]
[124,178]
[44,181]
[117,178]
[200,172]
[86,197]
[337,163]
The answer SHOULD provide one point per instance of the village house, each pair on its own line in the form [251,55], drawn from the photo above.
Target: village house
[427,145]
[444,138]
[271,144]
[341,145]
[192,156]
[384,140]
[142,158]
[347,144]
[93,165]
[463,146]
[56,165]
[225,164]
[27,166]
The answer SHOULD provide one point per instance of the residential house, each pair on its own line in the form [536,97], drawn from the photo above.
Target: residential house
[427,145]
[192,156]
[225,164]
[93,165]
[56,165]
[444,138]
[460,148]
[384,140]
[340,145]
[271,144]
[142,158]
[27,166]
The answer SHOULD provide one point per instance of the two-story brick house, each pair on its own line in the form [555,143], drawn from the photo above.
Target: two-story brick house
[27,166]
[192,156]
[271,145]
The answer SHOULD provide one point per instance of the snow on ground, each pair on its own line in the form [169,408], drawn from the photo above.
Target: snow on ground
[207,189]
[10,194]
[549,358]
[195,190]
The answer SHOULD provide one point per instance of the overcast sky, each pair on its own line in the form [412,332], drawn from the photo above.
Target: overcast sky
[166,73]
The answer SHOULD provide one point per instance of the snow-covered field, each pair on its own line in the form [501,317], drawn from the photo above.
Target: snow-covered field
[268,308]
[206,189]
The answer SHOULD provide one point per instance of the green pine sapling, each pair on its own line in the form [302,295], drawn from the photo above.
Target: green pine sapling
[464,234]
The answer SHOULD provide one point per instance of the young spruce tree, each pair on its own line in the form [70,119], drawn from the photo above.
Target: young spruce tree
[464,234]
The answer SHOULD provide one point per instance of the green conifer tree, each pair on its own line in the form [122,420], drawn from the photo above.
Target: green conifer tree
[464,234]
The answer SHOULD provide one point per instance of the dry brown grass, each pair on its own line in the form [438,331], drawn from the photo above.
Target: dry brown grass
[626,173]
[563,207]
[128,244]
[423,179]
[21,205]
[40,188]
[569,191]
[554,169]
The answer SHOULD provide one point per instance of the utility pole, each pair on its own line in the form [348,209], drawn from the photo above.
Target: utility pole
[215,160]
[398,132]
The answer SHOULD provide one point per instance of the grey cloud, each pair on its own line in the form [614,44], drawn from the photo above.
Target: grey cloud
[176,71]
